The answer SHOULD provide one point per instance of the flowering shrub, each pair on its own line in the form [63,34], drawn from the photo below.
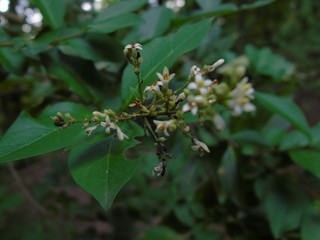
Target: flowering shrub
[235,156]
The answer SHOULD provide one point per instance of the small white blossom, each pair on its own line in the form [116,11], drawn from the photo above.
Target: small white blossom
[160,169]
[219,122]
[164,126]
[200,84]
[154,87]
[120,134]
[193,103]
[241,97]
[97,114]
[133,46]
[194,71]
[218,63]
[199,146]
[108,125]
[89,130]
[165,77]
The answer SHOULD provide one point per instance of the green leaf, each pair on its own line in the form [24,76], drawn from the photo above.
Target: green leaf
[52,10]
[57,66]
[294,139]
[256,4]
[228,171]
[159,233]
[10,58]
[100,168]
[119,8]
[285,205]
[308,159]
[315,132]
[156,22]
[264,61]
[250,137]
[29,137]
[310,226]
[162,52]
[215,6]
[286,109]
[79,47]
[113,24]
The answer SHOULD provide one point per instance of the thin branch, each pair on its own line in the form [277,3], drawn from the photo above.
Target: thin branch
[34,203]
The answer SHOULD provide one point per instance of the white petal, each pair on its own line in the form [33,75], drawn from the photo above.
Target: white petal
[160,76]
[157,122]
[249,107]
[192,85]
[171,76]
[194,110]
[207,82]
[138,46]
[237,111]
[186,107]
[219,122]
[218,63]
[147,88]
[195,148]
[165,71]
[198,77]
[203,91]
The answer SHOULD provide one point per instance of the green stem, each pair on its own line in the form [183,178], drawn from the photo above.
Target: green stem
[183,87]
[140,87]
[147,124]
[54,42]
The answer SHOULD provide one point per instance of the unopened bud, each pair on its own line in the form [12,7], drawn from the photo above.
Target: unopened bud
[140,60]
[136,70]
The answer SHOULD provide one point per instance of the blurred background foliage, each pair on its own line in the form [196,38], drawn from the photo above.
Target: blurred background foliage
[248,188]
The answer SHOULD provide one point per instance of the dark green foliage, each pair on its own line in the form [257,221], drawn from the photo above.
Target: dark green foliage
[261,178]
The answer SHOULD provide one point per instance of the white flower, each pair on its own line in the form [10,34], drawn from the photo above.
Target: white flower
[133,46]
[97,114]
[164,126]
[154,87]
[160,169]
[241,97]
[165,77]
[108,124]
[194,70]
[89,130]
[200,84]
[199,146]
[217,63]
[121,135]
[219,122]
[193,104]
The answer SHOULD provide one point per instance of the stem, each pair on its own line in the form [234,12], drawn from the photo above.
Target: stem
[28,195]
[140,87]
[183,87]
[147,124]
[54,42]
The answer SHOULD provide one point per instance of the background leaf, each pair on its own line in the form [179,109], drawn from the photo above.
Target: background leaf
[286,109]
[308,159]
[113,24]
[310,226]
[119,8]
[52,10]
[99,166]
[285,206]
[156,22]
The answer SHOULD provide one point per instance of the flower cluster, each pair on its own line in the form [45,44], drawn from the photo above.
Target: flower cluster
[163,109]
